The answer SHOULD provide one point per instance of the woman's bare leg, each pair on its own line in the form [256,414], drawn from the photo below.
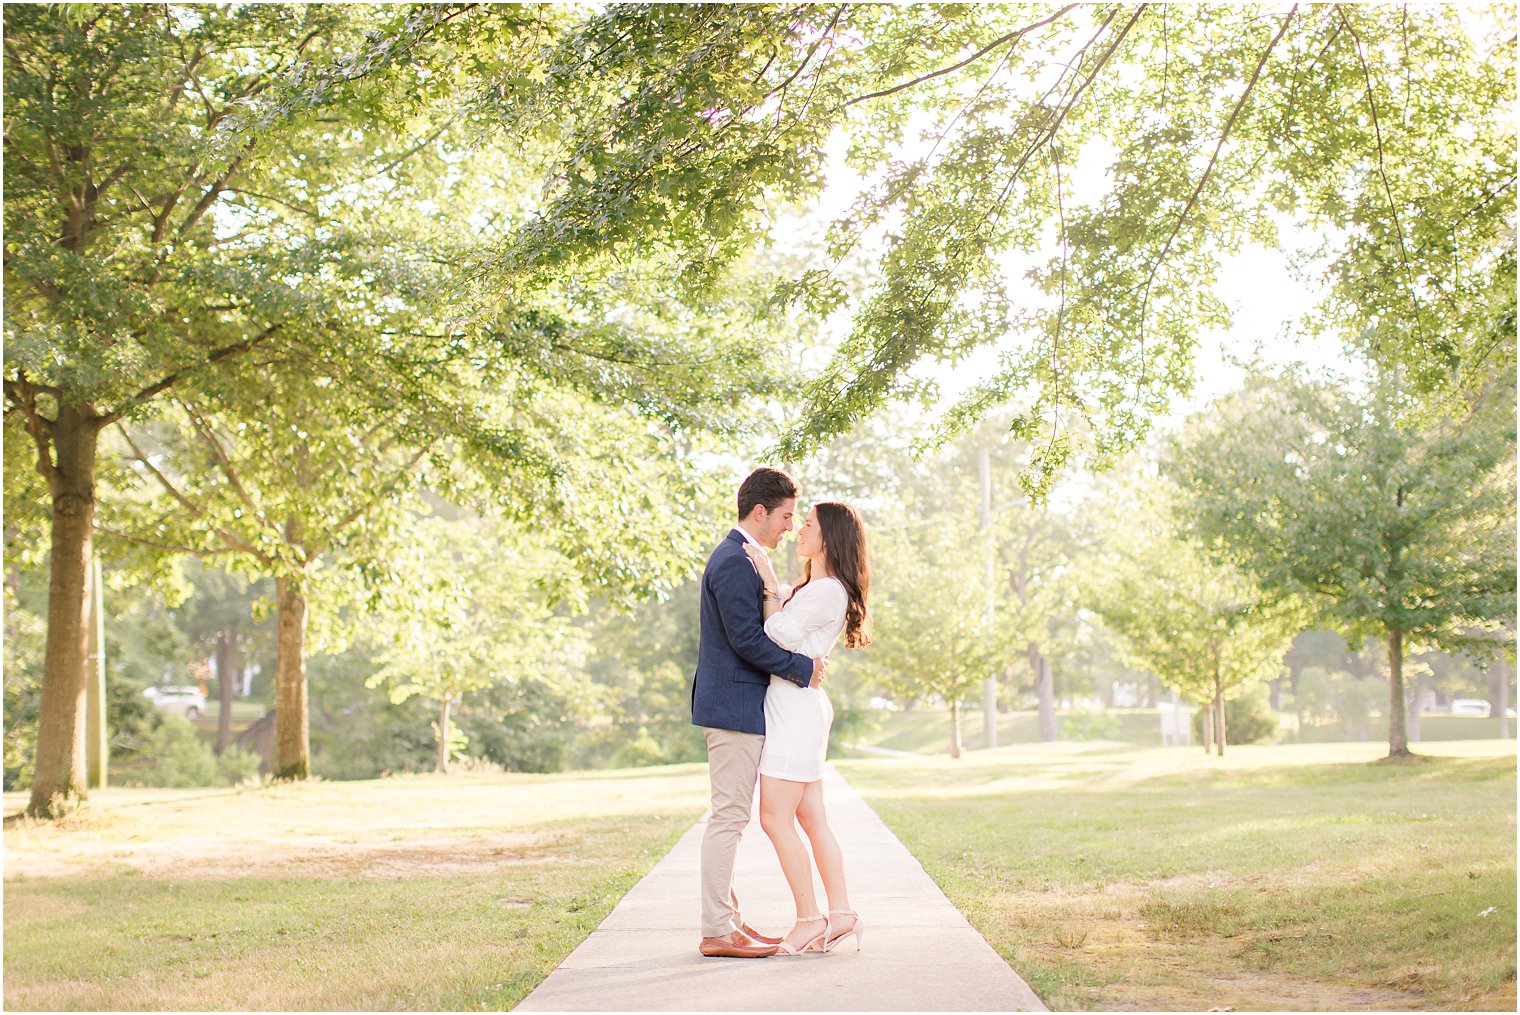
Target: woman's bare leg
[815,822]
[778,812]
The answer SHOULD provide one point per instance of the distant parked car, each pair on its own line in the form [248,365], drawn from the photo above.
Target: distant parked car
[1469,706]
[186,701]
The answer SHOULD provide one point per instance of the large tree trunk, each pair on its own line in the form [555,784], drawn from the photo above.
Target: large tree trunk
[1044,686]
[1398,740]
[292,751]
[443,737]
[955,729]
[59,781]
[226,679]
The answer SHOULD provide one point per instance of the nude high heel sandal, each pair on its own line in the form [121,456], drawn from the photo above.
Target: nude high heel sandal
[814,944]
[856,930]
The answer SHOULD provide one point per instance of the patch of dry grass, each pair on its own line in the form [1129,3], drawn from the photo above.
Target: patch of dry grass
[414,892]
[1277,878]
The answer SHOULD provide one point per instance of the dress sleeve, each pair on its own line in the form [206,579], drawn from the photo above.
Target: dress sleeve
[819,605]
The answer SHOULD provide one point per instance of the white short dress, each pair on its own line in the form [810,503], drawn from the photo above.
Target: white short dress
[797,719]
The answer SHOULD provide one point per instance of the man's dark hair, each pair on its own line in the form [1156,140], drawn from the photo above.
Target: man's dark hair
[765,486]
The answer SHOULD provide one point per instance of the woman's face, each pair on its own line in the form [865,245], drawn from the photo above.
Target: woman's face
[810,538]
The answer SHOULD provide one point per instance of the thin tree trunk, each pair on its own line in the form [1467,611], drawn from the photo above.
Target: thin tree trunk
[59,782]
[1220,735]
[1417,709]
[226,678]
[98,735]
[1398,741]
[1044,686]
[1208,728]
[1501,671]
[955,729]
[292,750]
[443,738]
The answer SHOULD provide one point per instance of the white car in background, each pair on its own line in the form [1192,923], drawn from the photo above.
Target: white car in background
[1470,706]
[186,701]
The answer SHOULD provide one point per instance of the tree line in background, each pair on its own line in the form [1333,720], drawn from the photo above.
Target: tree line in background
[295,289]
[1119,593]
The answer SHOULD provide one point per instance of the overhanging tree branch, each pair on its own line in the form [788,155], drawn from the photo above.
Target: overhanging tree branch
[141,456]
[1203,178]
[234,542]
[39,426]
[1393,210]
[171,547]
[223,459]
[994,44]
[168,382]
[362,509]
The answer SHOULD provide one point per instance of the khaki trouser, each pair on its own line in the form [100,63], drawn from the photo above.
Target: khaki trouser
[733,763]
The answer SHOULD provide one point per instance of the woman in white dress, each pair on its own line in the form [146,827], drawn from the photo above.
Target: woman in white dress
[830,601]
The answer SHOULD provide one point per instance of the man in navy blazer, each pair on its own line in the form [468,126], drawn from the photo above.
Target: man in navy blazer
[735,661]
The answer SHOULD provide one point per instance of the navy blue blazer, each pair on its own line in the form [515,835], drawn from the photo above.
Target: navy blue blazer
[735,658]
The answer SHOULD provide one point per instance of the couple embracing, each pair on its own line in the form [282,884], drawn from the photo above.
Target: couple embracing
[758,694]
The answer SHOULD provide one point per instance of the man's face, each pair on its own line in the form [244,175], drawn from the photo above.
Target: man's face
[771,525]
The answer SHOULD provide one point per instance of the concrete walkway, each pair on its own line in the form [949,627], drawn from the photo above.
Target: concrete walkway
[919,953]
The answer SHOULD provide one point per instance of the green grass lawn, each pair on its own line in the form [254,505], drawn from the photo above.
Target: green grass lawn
[1283,877]
[1286,877]
[413,892]
[927,730]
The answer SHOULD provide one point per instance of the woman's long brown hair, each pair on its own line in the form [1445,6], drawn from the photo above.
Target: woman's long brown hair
[844,547]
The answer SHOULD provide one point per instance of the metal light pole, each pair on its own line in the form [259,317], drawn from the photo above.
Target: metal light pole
[989,685]
[97,747]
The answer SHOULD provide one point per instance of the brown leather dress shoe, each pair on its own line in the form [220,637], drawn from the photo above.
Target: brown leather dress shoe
[737,945]
[750,932]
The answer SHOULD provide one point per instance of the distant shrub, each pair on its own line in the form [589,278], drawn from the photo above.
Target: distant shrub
[660,740]
[475,765]
[640,750]
[173,755]
[1248,719]
[853,724]
[521,742]
[238,766]
[1354,700]
[1094,725]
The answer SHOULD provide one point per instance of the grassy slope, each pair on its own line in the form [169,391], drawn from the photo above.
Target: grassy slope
[1291,877]
[413,892]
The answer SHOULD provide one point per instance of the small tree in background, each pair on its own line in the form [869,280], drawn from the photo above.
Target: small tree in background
[467,614]
[1201,625]
[930,638]
[1390,529]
